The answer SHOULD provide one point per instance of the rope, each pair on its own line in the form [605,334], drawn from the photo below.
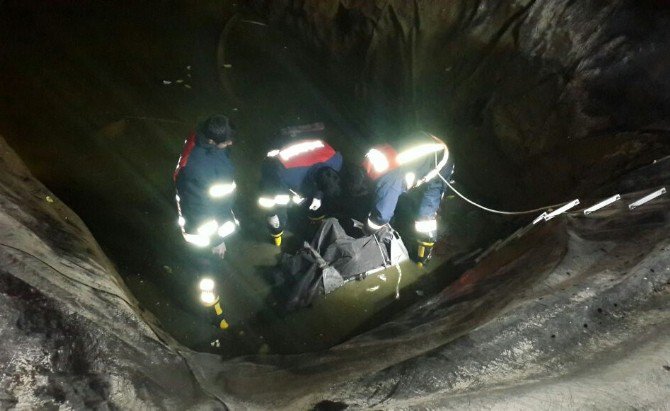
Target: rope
[160,120]
[257,23]
[397,286]
[491,210]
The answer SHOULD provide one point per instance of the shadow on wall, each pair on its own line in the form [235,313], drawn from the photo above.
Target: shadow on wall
[536,99]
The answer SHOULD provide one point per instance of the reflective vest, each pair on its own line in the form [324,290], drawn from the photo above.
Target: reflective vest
[297,158]
[383,159]
[304,153]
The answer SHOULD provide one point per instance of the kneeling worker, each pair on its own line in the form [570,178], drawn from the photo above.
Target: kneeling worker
[393,172]
[303,173]
[205,185]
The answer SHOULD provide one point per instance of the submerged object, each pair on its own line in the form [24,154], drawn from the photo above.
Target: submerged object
[336,256]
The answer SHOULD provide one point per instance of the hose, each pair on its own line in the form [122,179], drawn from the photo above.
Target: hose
[491,210]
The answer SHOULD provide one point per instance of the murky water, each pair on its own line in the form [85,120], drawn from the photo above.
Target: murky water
[98,99]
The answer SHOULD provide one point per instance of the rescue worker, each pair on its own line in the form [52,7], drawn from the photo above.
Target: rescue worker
[205,185]
[301,173]
[392,172]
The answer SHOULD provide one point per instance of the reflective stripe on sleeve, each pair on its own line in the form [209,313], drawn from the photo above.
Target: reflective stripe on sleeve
[227,229]
[266,202]
[196,239]
[282,199]
[279,199]
[208,228]
[417,152]
[299,148]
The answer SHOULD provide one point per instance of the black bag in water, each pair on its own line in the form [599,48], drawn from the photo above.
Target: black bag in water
[335,257]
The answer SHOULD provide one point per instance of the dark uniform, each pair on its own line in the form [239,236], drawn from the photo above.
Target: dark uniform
[205,185]
[394,172]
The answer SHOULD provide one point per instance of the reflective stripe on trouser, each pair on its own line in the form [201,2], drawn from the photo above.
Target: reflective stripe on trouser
[204,233]
[426,226]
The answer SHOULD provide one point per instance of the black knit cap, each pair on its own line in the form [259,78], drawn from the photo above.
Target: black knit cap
[218,129]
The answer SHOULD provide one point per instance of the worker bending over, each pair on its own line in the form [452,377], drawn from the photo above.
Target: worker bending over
[205,185]
[302,173]
[394,170]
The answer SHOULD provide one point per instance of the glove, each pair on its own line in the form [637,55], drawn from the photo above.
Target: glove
[316,204]
[220,250]
[315,213]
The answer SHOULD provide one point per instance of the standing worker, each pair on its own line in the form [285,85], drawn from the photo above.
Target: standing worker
[304,173]
[205,185]
[391,172]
